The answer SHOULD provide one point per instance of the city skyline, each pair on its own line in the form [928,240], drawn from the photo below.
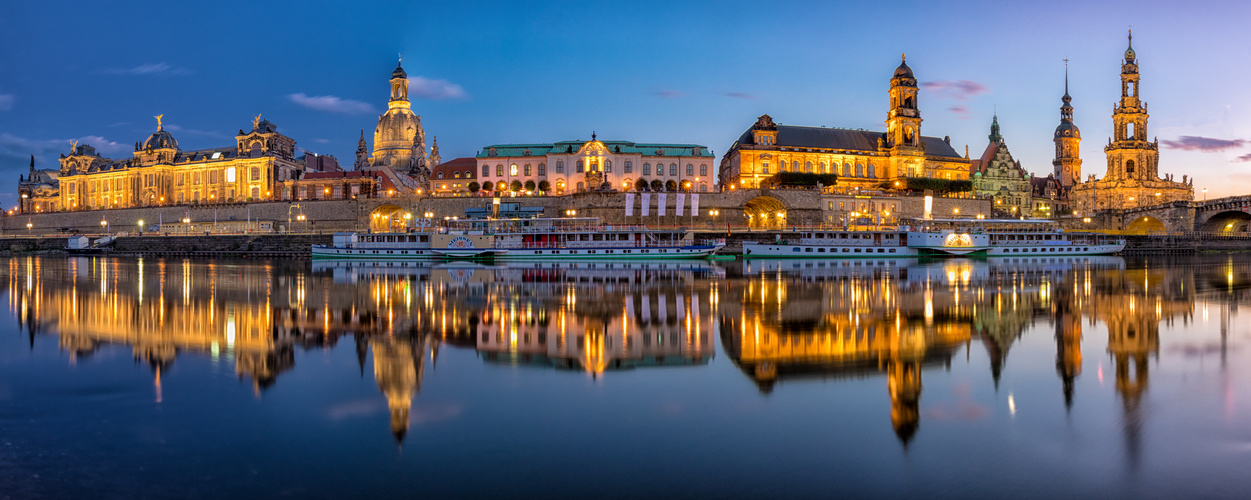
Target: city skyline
[507,74]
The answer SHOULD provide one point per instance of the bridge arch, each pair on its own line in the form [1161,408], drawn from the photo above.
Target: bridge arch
[389,218]
[765,212]
[1146,224]
[1228,222]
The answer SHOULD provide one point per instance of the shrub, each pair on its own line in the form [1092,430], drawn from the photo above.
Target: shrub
[473,187]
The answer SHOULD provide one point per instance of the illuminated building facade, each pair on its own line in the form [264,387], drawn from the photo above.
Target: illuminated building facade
[998,176]
[860,158]
[577,166]
[1132,179]
[160,173]
[399,149]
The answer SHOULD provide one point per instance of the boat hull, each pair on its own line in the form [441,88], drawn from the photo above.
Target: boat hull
[617,253]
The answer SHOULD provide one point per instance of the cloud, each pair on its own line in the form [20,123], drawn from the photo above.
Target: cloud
[322,141]
[667,93]
[157,69]
[961,112]
[1246,157]
[6,101]
[332,104]
[960,90]
[1204,144]
[435,90]
[739,95]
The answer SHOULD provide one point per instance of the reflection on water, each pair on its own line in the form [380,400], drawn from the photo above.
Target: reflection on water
[779,322]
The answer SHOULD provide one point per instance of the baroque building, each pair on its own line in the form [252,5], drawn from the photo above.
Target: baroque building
[1132,179]
[399,142]
[576,166]
[860,158]
[161,173]
[998,176]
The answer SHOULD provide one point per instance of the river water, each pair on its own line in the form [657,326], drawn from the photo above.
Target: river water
[1023,377]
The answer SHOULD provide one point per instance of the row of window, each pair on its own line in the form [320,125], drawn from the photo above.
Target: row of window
[864,206]
[513,170]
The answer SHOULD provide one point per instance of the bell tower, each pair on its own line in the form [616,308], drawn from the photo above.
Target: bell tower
[903,123]
[1130,155]
[1068,139]
[399,88]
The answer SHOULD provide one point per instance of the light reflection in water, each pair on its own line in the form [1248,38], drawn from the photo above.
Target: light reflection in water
[778,322]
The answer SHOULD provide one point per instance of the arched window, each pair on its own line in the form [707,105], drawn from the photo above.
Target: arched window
[847,169]
[486,171]
[607,166]
[1129,166]
[256,175]
[660,169]
[527,170]
[872,173]
[808,167]
[256,193]
[794,165]
[580,188]
[690,169]
[703,170]
[629,168]
[439,175]
[859,170]
[256,150]
[499,170]
[822,167]
[647,169]
[542,170]
[579,168]
[560,166]
[673,169]
[512,170]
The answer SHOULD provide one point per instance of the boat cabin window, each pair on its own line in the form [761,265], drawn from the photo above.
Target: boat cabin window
[597,237]
[842,235]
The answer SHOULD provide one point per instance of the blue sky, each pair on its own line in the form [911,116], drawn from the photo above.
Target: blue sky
[685,72]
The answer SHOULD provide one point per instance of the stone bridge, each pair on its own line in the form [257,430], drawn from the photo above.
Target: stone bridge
[1231,215]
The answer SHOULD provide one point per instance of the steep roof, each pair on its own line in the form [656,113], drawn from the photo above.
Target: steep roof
[792,136]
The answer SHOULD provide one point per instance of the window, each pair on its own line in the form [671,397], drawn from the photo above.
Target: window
[822,167]
[560,166]
[580,186]
[527,170]
[808,167]
[673,169]
[256,175]
[764,167]
[439,175]
[195,179]
[660,169]
[629,168]
[703,170]
[872,171]
[256,193]
[579,168]
[456,174]
[181,180]
[230,174]
[703,188]
[607,166]
[847,170]
[486,171]
[512,170]
[213,177]
[542,170]
[690,169]
[647,169]
[338,192]
[859,170]
[71,187]
[499,170]
[794,165]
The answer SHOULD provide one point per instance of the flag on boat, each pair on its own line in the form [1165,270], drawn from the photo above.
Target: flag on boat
[647,204]
[694,204]
[629,204]
[661,200]
[680,205]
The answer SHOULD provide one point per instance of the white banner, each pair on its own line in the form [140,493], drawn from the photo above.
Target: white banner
[647,204]
[663,303]
[629,204]
[694,204]
[647,307]
[660,204]
[680,205]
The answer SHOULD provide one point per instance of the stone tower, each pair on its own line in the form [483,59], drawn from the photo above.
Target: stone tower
[398,127]
[362,154]
[995,137]
[1130,155]
[903,123]
[1068,139]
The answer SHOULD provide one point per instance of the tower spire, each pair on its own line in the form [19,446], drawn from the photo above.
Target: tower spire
[994,130]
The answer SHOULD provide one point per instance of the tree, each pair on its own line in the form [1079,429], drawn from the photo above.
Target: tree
[545,186]
[671,186]
[640,185]
[516,186]
[530,186]
[657,185]
[474,187]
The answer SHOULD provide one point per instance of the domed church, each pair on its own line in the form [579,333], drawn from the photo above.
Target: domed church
[399,139]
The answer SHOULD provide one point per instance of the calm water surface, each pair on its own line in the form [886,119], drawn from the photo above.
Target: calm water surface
[152,378]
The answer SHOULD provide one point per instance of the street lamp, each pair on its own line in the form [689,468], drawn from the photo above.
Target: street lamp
[29,227]
[141,226]
[104,223]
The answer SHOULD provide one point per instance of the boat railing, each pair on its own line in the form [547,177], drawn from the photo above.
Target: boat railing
[542,245]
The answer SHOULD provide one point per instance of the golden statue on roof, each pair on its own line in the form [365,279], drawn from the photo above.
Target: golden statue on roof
[158,121]
[256,121]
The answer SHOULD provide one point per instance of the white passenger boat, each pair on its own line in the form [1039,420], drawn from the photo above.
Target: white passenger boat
[521,239]
[942,237]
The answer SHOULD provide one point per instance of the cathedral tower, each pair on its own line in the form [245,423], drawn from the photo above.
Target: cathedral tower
[1130,156]
[1068,139]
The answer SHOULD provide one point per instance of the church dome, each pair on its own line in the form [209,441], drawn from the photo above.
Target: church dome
[396,125]
[903,71]
[1068,130]
[160,139]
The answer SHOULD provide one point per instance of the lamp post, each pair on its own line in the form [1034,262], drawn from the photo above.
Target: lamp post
[141,227]
[104,223]
[29,227]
